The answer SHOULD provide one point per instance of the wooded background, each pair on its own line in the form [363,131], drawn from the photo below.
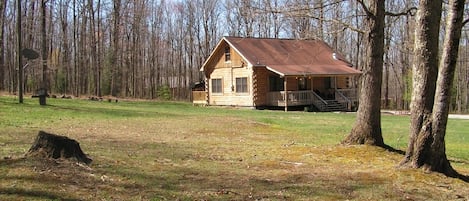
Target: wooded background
[146,48]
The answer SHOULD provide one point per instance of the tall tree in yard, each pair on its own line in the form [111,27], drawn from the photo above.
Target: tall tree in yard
[3,4]
[367,128]
[424,71]
[115,49]
[430,101]
[44,45]
[18,53]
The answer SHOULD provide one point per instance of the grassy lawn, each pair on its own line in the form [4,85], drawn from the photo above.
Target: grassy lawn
[145,150]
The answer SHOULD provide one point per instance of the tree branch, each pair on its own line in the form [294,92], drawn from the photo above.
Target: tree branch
[465,22]
[345,25]
[365,8]
[297,12]
[291,9]
[410,11]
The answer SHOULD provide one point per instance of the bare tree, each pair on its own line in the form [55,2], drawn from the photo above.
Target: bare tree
[44,51]
[115,49]
[367,127]
[462,86]
[18,51]
[156,55]
[427,138]
[63,77]
[424,71]
[94,64]
[3,4]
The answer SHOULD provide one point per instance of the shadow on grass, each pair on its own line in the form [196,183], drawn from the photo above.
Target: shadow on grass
[33,194]
[114,112]
[457,175]
[12,161]
[464,178]
[393,150]
[96,108]
[191,184]
[41,174]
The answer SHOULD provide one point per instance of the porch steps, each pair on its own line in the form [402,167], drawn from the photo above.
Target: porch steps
[333,106]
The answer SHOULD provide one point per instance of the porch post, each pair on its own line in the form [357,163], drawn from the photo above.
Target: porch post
[312,89]
[335,83]
[312,83]
[207,91]
[286,93]
[335,87]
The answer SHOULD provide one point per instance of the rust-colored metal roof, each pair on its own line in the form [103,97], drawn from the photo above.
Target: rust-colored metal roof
[292,57]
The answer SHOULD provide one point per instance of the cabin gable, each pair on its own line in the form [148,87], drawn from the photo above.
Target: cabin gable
[228,78]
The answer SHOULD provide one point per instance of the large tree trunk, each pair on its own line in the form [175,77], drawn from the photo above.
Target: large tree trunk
[44,54]
[429,108]
[429,147]
[424,73]
[367,127]
[18,54]
[444,86]
[66,69]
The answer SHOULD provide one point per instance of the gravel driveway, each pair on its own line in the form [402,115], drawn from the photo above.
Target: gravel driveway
[458,116]
[451,116]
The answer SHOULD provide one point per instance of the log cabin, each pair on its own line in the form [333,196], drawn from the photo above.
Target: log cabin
[266,72]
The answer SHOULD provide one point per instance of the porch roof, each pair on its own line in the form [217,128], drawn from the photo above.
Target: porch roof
[312,70]
[292,57]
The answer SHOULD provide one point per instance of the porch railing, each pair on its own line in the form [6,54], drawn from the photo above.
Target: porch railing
[294,98]
[351,94]
[339,96]
[346,97]
[318,102]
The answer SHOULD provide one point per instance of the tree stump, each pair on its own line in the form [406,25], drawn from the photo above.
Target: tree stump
[47,145]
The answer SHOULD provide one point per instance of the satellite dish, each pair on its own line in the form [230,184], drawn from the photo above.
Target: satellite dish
[334,56]
[29,53]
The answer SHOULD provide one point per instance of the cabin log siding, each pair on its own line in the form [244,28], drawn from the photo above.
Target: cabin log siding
[261,86]
[343,82]
[228,71]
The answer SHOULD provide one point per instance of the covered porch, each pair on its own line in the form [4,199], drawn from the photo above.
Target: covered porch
[330,93]
[342,102]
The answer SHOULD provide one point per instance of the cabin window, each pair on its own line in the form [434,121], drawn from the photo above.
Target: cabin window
[241,85]
[227,54]
[217,86]
[276,83]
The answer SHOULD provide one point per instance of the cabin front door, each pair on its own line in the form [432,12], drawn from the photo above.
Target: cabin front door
[324,87]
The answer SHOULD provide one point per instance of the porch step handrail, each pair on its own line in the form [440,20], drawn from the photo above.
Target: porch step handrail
[342,98]
[320,103]
[351,94]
